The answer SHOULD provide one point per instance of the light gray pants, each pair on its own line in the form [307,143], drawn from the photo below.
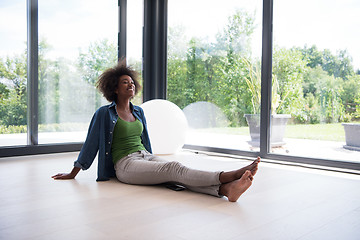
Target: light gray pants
[143,168]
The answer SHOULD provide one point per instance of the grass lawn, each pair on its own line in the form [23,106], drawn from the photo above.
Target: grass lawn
[327,132]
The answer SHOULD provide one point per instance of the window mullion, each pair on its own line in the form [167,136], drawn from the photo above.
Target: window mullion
[266,77]
[32,72]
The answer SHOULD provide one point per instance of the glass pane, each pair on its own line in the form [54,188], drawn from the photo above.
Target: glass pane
[316,67]
[134,40]
[214,69]
[13,68]
[77,41]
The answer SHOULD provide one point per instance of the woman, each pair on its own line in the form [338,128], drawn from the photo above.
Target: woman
[119,133]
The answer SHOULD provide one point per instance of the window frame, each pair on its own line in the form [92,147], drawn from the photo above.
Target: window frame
[154,77]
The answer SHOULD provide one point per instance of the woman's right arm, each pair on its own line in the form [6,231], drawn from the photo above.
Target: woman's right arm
[70,175]
[88,150]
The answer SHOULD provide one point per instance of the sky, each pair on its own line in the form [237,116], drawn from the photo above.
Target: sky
[328,24]
[70,25]
[67,25]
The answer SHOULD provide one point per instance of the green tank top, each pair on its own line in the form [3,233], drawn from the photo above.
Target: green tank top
[126,139]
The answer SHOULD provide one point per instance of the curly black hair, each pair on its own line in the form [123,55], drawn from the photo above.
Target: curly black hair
[109,80]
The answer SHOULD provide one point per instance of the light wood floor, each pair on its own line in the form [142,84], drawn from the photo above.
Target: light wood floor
[283,203]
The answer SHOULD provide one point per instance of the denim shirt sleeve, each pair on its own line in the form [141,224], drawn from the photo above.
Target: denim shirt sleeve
[91,145]
[99,140]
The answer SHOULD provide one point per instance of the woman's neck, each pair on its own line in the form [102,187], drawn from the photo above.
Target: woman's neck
[123,105]
[124,111]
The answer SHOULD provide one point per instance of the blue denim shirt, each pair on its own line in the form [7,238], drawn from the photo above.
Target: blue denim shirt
[99,139]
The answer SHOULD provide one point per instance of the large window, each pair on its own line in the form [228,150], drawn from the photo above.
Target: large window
[316,67]
[214,72]
[214,51]
[13,67]
[77,41]
[214,75]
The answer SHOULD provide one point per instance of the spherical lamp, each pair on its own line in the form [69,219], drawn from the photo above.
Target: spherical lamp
[167,126]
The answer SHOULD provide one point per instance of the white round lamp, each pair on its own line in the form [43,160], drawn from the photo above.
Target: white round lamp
[167,126]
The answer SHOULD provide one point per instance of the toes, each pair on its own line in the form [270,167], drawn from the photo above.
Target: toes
[247,174]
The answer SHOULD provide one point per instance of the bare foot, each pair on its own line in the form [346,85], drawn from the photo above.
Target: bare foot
[227,177]
[235,189]
[253,167]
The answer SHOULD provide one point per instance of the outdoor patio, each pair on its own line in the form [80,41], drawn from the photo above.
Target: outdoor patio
[330,150]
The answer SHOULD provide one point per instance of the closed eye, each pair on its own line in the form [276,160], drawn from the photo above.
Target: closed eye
[127,82]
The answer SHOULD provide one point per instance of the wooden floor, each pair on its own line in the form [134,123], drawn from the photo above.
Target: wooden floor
[283,203]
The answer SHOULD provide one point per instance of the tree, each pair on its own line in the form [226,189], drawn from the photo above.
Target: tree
[4,91]
[13,100]
[351,95]
[231,89]
[312,78]
[48,78]
[99,56]
[312,56]
[15,72]
[289,69]
[332,81]
[330,101]
[345,67]
[13,110]
[339,65]
[212,72]
[236,36]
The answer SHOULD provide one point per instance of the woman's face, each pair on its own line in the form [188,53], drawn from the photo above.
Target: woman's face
[126,87]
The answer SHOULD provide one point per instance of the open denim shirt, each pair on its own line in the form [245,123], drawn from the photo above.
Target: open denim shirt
[99,139]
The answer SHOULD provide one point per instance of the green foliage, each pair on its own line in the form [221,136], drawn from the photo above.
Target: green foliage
[59,84]
[14,71]
[4,91]
[289,69]
[234,96]
[313,79]
[253,81]
[339,66]
[49,92]
[13,129]
[54,127]
[63,127]
[13,109]
[331,101]
[312,112]
[177,82]
[100,56]
[357,109]
[329,93]
[350,93]
[13,94]
[313,86]
[236,36]
[213,72]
